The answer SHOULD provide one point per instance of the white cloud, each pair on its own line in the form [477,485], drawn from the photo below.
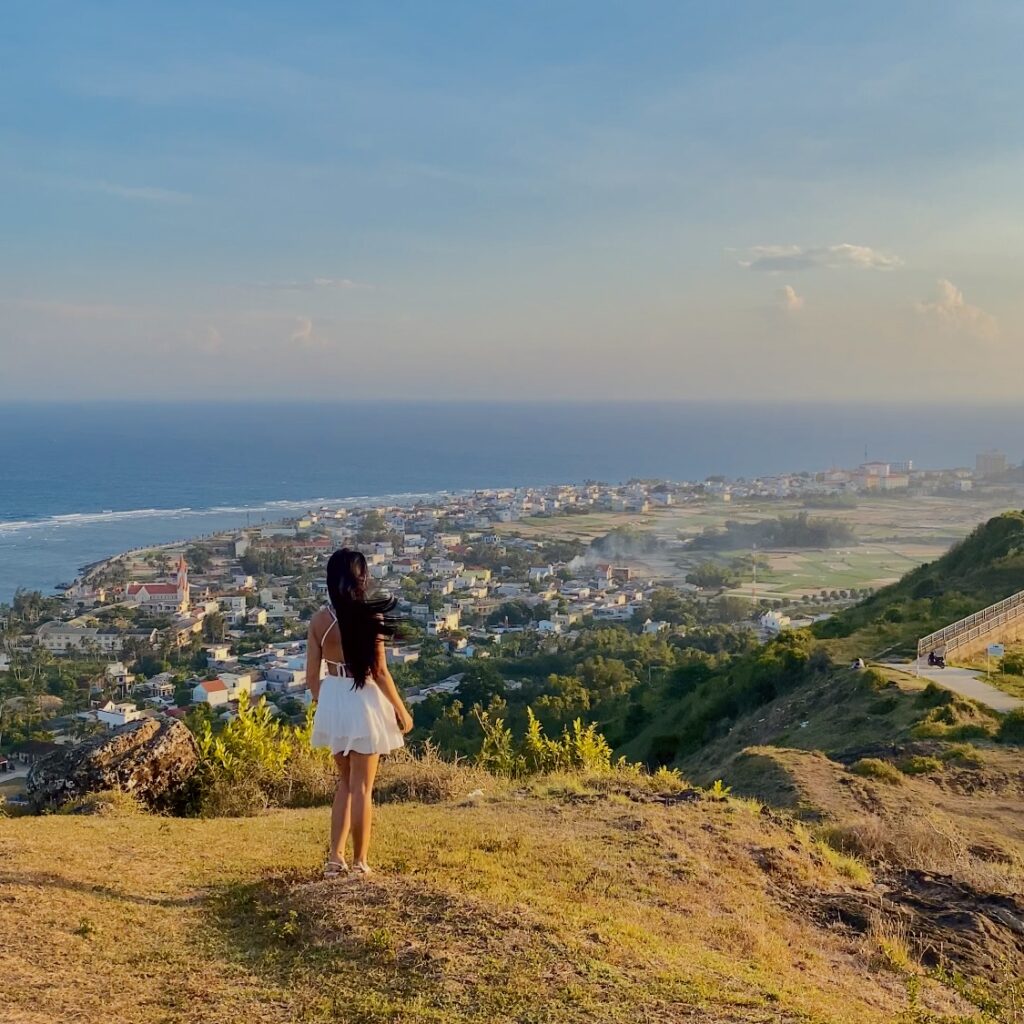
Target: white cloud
[797,257]
[789,300]
[305,334]
[206,338]
[213,340]
[341,284]
[952,313]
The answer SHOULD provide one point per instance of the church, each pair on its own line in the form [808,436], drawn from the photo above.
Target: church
[173,598]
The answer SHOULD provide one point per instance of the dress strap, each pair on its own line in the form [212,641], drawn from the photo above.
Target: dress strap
[334,622]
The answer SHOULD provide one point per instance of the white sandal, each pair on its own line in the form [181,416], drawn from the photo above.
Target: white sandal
[362,868]
[335,868]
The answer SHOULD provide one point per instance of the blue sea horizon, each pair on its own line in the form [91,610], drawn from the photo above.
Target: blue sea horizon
[81,481]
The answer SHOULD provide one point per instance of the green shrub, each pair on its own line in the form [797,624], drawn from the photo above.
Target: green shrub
[1011,729]
[256,762]
[933,695]
[1013,664]
[874,680]
[964,754]
[956,719]
[876,768]
[884,706]
[919,764]
[844,864]
[580,748]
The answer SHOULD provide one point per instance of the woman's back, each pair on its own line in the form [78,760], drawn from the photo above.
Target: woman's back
[325,626]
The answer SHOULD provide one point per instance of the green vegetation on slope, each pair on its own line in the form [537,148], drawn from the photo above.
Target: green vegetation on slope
[985,567]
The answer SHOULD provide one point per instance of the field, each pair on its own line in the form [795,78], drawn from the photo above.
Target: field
[895,535]
[570,906]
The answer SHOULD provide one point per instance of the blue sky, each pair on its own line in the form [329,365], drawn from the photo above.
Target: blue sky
[543,200]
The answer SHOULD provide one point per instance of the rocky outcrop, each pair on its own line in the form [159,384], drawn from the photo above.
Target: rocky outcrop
[152,759]
[949,924]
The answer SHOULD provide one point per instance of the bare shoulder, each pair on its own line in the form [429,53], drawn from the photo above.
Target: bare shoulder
[320,621]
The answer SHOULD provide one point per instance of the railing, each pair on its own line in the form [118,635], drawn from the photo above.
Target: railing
[973,626]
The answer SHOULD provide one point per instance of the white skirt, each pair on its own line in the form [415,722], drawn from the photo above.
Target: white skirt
[355,721]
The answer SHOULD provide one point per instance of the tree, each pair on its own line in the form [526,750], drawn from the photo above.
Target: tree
[214,627]
[732,609]
[711,576]
[513,613]
[372,527]
[198,557]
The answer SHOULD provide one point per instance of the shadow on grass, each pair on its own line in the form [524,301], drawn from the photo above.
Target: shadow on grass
[399,948]
[48,880]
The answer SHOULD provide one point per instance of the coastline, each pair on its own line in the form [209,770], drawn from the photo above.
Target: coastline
[232,519]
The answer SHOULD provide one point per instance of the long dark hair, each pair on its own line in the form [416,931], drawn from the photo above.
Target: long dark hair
[362,620]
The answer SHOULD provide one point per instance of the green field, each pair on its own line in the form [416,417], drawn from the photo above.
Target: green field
[894,536]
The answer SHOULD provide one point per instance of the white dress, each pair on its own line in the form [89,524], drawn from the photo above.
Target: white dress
[351,719]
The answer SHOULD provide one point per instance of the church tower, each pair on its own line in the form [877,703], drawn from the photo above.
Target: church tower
[183,584]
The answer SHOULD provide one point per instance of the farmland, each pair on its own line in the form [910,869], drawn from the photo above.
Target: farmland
[892,535]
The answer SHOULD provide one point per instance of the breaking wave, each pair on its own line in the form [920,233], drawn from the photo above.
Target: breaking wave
[268,509]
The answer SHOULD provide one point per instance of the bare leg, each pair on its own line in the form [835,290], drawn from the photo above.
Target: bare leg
[364,771]
[341,809]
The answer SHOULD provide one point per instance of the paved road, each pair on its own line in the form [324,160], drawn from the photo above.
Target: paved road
[971,684]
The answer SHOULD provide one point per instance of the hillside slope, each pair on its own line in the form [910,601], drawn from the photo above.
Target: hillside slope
[985,567]
[565,904]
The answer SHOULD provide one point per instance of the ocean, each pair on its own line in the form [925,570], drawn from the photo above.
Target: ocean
[79,482]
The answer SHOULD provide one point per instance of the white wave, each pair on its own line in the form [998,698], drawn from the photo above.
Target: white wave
[277,506]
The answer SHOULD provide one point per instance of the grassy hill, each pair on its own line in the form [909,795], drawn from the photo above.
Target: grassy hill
[574,899]
[868,866]
[700,707]
[985,567]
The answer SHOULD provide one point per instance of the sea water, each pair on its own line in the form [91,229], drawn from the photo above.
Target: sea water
[79,482]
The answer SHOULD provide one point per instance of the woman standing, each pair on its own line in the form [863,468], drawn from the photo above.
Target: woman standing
[359,714]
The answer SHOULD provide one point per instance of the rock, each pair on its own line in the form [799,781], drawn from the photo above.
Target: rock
[152,759]
[949,923]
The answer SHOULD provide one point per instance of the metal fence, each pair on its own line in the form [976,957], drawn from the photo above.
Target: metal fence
[973,626]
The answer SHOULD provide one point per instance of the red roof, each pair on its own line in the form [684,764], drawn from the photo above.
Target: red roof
[214,686]
[152,588]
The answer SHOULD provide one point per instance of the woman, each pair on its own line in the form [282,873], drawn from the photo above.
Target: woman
[359,713]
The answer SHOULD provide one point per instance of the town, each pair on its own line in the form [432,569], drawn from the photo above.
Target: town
[193,628]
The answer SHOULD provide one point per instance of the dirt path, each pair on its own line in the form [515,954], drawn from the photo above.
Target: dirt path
[969,683]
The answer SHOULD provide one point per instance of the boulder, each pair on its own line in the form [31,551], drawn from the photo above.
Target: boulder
[153,759]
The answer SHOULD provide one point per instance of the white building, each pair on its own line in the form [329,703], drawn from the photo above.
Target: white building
[210,691]
[115,715]
[774,622]
[172,598]
[62,638]
[117,675]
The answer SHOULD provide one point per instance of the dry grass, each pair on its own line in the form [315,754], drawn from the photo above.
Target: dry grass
[512,907]
[876,768]
[427,777]
[966,821]
[108,803]
[928,842]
